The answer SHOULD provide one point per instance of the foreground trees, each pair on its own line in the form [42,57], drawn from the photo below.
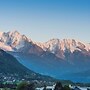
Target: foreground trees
[31,86]
[60,87]
[26,86]
[66,88]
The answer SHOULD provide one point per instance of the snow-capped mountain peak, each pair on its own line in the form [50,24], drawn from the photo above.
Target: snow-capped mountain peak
[58,47]
[12,40]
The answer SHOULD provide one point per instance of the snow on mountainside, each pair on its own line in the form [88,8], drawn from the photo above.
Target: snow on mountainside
[12,41]
[64,44]
[56,58]
[58,47]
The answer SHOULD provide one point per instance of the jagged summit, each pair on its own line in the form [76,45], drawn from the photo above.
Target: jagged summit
[64,44]
[54,58]
[13,40]
[59,47]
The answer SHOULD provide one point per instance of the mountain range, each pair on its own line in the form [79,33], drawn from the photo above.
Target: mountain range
[62,59]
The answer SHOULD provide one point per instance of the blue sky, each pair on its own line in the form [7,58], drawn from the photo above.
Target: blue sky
[42,20]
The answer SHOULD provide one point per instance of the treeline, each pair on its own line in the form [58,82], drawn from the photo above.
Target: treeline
[28,86]
[31,86]
[59,86]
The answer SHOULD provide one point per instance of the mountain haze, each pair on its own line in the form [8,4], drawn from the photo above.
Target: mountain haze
[11,69]
[58,58]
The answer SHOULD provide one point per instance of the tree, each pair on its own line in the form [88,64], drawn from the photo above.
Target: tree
[66,87]
[44,87]
[31,86]
[26,86]
[58,86]
[22,86]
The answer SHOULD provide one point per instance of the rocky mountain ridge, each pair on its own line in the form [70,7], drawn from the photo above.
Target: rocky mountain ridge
[14,41]
[57,58]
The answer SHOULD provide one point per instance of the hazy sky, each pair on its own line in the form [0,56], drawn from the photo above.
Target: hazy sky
[42,20]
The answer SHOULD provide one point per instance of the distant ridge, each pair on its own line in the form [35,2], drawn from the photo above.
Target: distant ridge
[62,59]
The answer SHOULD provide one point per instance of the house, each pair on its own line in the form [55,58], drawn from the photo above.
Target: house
[47,88]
